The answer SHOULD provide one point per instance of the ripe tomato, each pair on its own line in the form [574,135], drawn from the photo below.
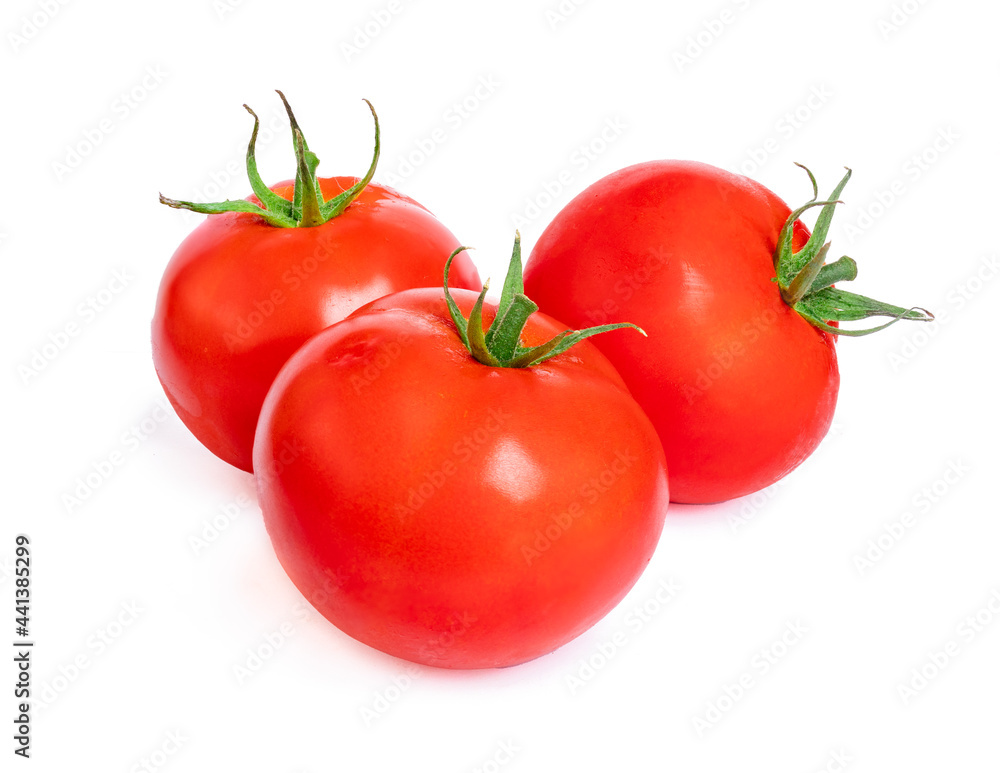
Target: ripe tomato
[241,294]
[739,374]
[449,512]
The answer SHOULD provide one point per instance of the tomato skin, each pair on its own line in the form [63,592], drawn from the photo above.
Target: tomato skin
[450,513]
[740,388]
[239,296]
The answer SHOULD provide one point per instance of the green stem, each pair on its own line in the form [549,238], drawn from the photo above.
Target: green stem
[339,203]
[474,331]
[806,282]
[238,205]
[505,333]
[306,160]
[307,209]
[306,188]
[500,345]
[803,281]
[843,269]
[271,200]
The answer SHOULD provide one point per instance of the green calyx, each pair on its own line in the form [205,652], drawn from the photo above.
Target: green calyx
[307,207]
[806,280]
[500,345]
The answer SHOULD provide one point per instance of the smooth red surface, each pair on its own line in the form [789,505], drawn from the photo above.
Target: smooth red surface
[239,296]
[740,388]
[451,513]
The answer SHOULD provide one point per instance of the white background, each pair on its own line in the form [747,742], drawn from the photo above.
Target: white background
[903,92]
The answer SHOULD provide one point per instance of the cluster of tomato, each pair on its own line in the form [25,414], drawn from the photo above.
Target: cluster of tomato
[471,484]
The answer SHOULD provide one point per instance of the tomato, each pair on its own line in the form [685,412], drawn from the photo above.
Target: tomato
[449,512]
[739,374]
[241,294]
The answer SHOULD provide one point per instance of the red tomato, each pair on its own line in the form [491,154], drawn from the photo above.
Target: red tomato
[740,386]
[448,512]
[240,295]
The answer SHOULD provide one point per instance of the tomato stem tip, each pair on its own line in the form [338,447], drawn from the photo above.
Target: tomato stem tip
[806,281]
[307,208]
[500,345]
